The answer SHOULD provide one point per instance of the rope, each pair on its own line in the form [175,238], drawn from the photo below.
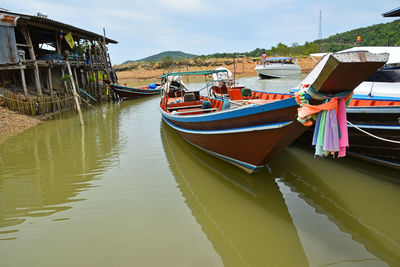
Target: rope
[324,95]
[374,136]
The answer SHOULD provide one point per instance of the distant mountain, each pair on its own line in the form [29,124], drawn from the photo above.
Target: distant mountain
[158,57]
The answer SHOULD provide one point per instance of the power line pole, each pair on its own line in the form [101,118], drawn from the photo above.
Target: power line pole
[320,31]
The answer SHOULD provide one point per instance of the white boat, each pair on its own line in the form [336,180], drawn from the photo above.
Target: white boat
[278,67]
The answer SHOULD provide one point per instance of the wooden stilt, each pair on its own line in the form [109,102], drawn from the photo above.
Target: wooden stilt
[24,81]
[97,83]
[65,83]
[76,78]
[83,80]
[50,80]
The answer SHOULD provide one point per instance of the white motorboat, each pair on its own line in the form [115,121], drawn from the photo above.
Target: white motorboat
[278,67]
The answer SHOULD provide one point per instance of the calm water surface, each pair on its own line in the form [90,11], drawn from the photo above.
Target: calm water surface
[125,190]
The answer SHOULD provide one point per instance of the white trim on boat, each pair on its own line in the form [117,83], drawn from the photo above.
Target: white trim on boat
[233,130]
[373,110]
[382,127]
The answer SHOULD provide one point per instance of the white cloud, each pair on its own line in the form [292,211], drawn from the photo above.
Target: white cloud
[145,27]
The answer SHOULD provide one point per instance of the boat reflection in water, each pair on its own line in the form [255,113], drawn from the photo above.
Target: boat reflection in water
[361,201]
[249,227]
[44,169]
[287,216]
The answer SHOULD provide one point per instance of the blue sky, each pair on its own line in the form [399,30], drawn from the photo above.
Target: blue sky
[147,27]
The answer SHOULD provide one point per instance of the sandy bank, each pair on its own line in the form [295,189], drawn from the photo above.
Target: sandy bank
[12,123]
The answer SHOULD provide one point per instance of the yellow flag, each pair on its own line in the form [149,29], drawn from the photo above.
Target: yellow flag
[69,39]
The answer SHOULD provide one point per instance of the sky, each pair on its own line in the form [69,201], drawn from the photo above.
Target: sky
[147,27]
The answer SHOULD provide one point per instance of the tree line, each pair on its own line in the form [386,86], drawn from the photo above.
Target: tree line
[385,34]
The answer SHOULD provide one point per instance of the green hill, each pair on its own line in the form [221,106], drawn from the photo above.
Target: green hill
[167,54]
[385,34]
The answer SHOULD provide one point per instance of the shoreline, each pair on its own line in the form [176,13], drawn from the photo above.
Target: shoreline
[244,68]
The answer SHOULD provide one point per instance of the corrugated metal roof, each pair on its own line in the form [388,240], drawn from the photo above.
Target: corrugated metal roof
[43,22]
[392,13]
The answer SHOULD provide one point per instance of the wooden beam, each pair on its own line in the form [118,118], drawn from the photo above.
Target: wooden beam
[24,45]
[12,67]
[25,32]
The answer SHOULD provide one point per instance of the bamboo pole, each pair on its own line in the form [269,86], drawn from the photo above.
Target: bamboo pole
[75,93]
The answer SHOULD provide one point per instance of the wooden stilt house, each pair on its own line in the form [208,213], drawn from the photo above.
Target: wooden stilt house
[34,51]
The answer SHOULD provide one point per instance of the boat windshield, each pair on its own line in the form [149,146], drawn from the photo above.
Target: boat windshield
[172,82]
[285,60]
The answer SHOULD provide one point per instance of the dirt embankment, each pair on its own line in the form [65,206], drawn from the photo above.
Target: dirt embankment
[12,122]
[244,68]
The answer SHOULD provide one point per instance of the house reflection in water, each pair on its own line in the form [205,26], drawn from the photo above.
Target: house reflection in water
[44,169]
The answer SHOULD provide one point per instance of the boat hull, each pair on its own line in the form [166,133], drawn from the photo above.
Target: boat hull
[132,92]
[382,122]
[277,70]
[247,141]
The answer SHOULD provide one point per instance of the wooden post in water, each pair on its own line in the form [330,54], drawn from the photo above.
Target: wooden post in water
[75,93]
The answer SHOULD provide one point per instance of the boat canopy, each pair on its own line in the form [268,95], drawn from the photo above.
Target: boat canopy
[185,73]
[279,58]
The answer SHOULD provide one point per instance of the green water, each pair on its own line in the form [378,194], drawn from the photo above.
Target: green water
[125,190]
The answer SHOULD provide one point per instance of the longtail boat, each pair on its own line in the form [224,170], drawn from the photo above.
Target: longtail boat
[250,129]
[132,92]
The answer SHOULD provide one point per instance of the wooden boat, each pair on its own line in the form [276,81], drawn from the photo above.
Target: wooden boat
[132,92]
[249,132]
[278,67]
